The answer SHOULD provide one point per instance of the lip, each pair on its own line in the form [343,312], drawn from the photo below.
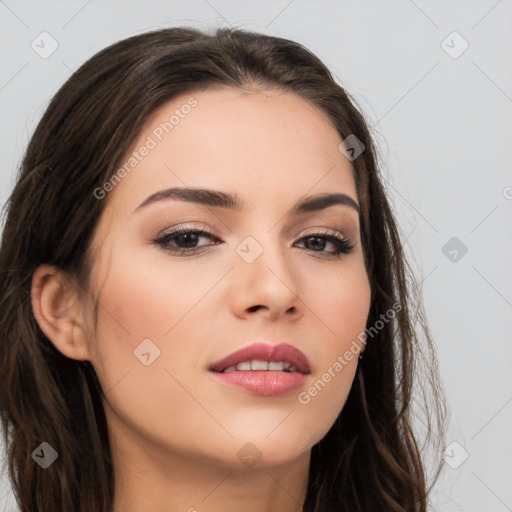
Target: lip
[264,382]
[265,352]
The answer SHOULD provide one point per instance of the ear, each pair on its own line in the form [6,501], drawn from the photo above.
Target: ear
[59,311]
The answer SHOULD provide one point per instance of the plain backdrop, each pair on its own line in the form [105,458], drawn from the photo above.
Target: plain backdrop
[434,80]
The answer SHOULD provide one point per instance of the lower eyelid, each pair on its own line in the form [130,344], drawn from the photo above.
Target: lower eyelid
[217,239]
[343,245]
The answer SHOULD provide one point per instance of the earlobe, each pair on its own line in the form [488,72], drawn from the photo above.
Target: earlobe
[58,311]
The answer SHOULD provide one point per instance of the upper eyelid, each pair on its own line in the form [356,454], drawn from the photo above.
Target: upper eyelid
[208,231]
[212,234]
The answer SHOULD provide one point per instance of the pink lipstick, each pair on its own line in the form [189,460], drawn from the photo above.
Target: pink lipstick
[263,369]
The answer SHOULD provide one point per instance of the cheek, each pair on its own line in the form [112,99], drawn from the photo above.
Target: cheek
[343,305]
[138,303]
[148,343]
[346,307]
[153,311]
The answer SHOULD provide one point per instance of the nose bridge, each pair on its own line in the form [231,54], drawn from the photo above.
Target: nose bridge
[265,272]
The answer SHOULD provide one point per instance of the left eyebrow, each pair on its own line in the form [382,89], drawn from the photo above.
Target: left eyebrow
[219,199]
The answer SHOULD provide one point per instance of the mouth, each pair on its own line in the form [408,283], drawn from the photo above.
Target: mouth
[263,369]
[257,365]
[264,357]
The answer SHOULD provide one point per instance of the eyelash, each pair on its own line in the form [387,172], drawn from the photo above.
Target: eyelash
[343,245]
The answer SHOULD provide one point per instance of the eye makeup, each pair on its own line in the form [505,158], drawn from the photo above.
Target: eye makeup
[182,242]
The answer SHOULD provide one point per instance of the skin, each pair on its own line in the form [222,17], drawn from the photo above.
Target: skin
[175,430]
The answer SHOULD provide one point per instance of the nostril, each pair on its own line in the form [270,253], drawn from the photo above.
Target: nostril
[254,308]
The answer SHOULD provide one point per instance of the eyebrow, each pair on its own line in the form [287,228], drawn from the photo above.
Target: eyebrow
[219,199]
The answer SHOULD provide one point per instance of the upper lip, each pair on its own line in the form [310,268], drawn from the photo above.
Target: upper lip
[265,352]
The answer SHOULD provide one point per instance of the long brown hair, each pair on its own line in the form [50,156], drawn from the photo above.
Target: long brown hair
[370,459]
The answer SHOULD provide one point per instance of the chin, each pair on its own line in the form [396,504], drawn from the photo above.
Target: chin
[278,448]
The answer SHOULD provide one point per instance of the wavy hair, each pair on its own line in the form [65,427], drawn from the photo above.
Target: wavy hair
[370,460]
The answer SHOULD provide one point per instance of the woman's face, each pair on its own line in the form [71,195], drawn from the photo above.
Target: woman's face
[172,305]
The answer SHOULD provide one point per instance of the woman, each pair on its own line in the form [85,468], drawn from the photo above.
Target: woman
[204,301]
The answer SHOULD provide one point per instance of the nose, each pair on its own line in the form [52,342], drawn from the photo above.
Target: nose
[268,286]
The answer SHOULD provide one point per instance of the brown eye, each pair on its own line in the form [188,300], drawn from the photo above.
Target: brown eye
[183,240]
[318,241]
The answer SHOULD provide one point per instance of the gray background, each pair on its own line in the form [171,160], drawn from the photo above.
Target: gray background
[444,126]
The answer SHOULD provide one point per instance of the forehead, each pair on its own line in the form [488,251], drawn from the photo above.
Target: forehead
[266,144]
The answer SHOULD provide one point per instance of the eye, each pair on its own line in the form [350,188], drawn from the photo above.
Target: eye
[183,241]
[342,245]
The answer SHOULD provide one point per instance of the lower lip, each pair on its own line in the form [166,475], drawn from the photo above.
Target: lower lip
[263,382]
